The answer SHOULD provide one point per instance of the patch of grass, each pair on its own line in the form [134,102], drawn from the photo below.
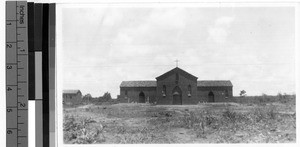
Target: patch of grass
[209,118]
[212,123]
[265,99]
[262,114]
[190,119]
[79,130]
[133,135]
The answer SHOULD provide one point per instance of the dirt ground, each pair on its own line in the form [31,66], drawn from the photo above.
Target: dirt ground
[202,123]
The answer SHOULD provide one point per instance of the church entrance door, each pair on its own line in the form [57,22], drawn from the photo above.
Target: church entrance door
[142,97]
[211,97]
[177,96]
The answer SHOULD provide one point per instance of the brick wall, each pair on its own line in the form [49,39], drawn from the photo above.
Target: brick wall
[183,84]
[133,94]
[219,93]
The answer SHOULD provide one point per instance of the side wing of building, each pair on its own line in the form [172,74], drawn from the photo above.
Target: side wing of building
[214,91]
[137,92]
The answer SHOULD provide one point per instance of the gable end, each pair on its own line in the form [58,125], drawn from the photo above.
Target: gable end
[174,71]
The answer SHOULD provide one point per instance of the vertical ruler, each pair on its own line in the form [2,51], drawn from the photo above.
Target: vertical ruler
[16,74]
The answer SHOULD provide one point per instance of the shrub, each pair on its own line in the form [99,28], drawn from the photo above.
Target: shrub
[209,119]
[78,131]
[259,114]
[88,137]
[190,119]
[272,112]
[69,126]
[266,113]
[121,130]
[230,115]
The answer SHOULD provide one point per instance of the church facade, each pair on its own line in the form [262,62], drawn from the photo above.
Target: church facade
[175,87]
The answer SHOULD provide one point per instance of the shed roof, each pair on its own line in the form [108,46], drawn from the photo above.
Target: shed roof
[74,91]
[213,83]
[138,84]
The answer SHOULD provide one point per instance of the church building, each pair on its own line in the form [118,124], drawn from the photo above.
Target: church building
[175,87]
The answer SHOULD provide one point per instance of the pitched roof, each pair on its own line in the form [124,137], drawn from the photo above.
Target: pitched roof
[177,70]
[212,83]
[138,84]
[75,91]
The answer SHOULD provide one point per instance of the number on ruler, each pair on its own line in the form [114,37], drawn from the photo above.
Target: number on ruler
[9,110]
[9,67]
[8,45]
[9,132]
[9,23]
[9,89]
[22,105]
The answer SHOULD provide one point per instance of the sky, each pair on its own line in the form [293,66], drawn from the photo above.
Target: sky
[254,47]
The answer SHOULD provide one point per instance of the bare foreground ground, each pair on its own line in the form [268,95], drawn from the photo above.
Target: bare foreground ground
[203,123]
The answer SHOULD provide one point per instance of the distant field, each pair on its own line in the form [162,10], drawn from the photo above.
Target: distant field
[203,123]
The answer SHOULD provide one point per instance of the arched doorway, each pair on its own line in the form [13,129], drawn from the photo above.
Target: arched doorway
[142,97]
[177,96]
[211,97]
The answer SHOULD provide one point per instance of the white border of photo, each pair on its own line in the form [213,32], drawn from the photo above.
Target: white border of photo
[117,3]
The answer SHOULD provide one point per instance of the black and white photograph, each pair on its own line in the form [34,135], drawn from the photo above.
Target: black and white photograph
[169,73]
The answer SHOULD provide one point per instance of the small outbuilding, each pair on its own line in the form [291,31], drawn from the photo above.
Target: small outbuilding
[72,97]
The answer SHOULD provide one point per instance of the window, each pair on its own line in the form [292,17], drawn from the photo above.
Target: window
[226,94]
[126,93]
[189,90]
[164,91]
